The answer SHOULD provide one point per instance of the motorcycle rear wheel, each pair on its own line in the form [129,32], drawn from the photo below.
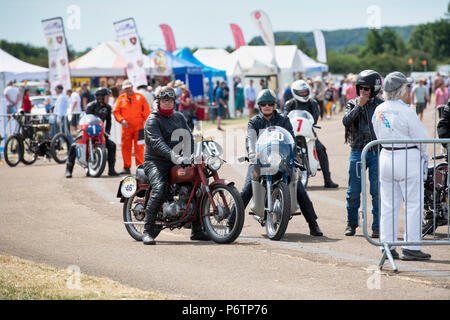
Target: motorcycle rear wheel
[131,214]
[97,165]
[223,226]
[59,148]
[277,220]
[13,151]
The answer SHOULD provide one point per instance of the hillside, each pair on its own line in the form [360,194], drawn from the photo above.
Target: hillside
[336,39]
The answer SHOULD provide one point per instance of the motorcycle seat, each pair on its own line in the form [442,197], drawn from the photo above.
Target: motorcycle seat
[140,174]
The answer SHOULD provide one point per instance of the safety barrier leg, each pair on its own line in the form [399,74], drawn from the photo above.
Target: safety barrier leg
[387,254]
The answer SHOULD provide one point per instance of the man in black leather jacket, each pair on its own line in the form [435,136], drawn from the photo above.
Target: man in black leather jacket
[270,117]
[159,131]
[302,101]
[443,126]
[359,132]
[100,109]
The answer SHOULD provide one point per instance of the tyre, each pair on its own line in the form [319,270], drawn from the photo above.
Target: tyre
[13,150]
[28,156]
[59,147]
[225,225]
[134,211]
[97,164]
[277,220]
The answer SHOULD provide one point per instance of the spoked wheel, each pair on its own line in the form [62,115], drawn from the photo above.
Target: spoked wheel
[277,220]
[97,164]
[134,212]
[13,150]
[59,148]
[29,156]
[225,224]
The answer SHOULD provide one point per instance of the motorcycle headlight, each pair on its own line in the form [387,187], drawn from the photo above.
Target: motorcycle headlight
[214,163]
[274,160]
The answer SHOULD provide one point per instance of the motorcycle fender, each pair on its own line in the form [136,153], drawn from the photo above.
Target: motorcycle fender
[293,192]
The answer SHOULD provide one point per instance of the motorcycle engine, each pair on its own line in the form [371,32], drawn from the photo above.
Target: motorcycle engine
[173,210]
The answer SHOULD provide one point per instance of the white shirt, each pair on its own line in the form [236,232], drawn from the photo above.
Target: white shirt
[395,120]
[12,92]
[61,106]
[74,98]
[148,96]
[250,93]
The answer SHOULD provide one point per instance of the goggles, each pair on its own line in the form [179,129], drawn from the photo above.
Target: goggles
[167,94]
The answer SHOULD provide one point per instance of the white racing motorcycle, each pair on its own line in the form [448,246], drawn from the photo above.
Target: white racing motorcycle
[303,124]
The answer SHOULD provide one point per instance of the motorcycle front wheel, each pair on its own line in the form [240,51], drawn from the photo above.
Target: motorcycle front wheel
[13,151]
[98,163]
[59,148]
[277,220]
[225,224]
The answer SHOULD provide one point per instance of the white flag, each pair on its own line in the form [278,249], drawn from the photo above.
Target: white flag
[131,50]
[58,60]
[265,28]
[319,39]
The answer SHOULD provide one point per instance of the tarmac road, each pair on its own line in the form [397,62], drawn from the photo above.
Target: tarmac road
[49,219]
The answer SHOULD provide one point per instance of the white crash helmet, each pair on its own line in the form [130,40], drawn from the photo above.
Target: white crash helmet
[301,90]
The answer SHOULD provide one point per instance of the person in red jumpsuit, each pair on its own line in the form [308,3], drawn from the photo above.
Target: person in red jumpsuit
[131,111]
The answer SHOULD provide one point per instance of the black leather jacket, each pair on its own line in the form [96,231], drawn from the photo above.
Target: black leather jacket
[443,126]
[311,106]
[158,131]
[358,123]
[258,123]
[101,111]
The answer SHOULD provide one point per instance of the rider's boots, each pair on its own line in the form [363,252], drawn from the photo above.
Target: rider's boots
[111,171]
[149,227]
[197,232]
[69,169]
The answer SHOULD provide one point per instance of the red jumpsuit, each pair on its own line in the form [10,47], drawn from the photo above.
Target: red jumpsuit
[135,110]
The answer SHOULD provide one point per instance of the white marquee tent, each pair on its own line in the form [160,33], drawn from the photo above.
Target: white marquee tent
[14,69]
[105,60]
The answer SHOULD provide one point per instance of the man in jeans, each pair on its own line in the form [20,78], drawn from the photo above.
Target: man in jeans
[419,97]
[359,132]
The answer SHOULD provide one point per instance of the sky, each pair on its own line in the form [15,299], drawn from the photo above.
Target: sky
[202,23]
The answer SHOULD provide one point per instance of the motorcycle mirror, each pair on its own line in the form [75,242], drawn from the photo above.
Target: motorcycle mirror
[242,159]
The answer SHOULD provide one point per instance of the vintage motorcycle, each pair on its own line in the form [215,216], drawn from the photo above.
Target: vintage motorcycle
[275,189]
[303,125]
[436,187]
[190,193]
[32,141]
[90,145]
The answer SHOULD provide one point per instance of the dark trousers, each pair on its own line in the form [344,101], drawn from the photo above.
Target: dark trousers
[323,160]
[303,200]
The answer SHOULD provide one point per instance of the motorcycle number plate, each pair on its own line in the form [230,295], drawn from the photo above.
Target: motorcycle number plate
[128,187]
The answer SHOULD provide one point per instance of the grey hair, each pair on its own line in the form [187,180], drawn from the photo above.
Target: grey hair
[396,94]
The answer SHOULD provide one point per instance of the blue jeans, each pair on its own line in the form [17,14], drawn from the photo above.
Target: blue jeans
[354,186]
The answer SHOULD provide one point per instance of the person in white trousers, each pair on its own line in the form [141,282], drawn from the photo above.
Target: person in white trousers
[400,166]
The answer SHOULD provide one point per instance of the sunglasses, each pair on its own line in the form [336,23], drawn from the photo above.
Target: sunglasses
[364,88]
[265,104]
[167,94]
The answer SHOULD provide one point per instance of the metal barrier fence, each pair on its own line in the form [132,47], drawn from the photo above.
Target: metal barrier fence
[437,209]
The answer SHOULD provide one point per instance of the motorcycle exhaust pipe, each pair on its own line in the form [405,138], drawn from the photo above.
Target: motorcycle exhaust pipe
[258,199]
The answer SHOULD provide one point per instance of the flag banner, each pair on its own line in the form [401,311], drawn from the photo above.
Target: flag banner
[131,50]
[238,36]
[58,60]
[265,28]
[168,37]
[319,39]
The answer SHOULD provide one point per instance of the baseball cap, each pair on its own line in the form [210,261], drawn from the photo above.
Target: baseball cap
[127,84]
[59,86]
[393,81]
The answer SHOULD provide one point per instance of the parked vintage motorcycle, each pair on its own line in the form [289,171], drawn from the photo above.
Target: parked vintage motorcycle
[436,196]
[303,125]
[275,189]
[32,140]
[90,145]
[190,193]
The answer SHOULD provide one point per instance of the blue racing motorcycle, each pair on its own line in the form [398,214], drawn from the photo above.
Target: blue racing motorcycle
[274,182]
